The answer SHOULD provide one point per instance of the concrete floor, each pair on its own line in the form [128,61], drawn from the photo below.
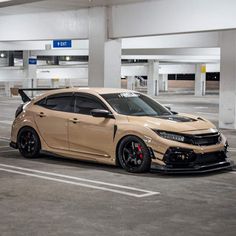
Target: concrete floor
[55,196]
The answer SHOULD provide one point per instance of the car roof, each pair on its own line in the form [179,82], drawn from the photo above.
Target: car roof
[83,90]
[88,90]
[103,90]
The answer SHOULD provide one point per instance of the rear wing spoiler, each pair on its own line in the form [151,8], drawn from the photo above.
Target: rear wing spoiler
[26,98]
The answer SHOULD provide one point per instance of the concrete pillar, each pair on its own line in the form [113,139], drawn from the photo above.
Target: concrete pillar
[11,58]
[68,83]
[200,80]
[131,82]
[8,86]
[55,83]
[30,71]
[153,78]
[104,54]
[227,108]
[163,82]
[55,60]
[3,59]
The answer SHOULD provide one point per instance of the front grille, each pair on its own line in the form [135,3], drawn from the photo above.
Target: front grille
[210,158]
[205,139]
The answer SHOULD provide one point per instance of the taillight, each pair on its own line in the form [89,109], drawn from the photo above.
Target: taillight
[19,110]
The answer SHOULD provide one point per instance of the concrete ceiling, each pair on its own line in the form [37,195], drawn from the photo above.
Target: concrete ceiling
[13,7]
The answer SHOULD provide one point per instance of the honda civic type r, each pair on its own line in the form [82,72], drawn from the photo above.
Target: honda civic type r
[117,127]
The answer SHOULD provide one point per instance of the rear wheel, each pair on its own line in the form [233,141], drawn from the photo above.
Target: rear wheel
[133,155]
[28,143]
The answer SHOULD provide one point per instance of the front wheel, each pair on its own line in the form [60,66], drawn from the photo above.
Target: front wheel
[28,143]
[134,155]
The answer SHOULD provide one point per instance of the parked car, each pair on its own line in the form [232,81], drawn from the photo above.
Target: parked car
[117,127]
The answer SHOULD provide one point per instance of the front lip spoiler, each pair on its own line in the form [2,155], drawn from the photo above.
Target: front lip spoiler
[223,165]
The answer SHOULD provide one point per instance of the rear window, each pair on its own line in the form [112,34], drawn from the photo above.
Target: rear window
[59,102]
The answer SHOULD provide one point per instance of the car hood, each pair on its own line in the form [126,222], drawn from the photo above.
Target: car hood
[181,123]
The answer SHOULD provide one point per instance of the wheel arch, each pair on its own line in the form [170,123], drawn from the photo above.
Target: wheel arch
[29,127]
[117,162]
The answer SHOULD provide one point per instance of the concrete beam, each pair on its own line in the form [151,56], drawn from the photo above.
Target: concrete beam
[203,41]
[44,45]
[176,59]
[194,40]
[16,2]
[83,52]
[171,17]
[45,26]
[173,51]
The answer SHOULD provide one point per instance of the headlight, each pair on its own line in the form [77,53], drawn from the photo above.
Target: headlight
[171,136]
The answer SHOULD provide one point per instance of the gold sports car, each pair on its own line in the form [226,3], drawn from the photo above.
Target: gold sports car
[117,127]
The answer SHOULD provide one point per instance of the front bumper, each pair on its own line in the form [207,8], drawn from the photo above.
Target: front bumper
[181,160]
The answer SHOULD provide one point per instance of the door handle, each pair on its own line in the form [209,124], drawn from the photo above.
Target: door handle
[41,114]
[74,120]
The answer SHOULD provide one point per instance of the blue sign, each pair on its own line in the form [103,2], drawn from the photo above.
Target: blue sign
[32,61]
[62,43]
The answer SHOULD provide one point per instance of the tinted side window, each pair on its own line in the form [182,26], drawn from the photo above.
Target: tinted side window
[59,102]
[41,102]
[84,105]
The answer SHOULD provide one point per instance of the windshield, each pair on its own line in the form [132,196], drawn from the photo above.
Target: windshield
[135,104]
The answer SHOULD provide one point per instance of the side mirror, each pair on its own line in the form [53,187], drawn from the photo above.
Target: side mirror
[101,113]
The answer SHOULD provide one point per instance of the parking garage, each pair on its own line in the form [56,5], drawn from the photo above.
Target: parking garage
[172,51]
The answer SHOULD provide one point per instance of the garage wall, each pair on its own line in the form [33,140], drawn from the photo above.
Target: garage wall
[183,85]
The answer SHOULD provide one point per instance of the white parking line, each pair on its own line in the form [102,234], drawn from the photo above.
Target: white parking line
[6,122]
[2,147]
[5,139]
[19,170]
[207,113]
[201,107]
[8,150]
[232,149]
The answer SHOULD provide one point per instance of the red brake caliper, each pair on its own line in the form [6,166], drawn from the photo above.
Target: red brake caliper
[140,151]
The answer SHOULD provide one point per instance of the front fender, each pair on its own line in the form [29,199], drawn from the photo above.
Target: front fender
[144,133]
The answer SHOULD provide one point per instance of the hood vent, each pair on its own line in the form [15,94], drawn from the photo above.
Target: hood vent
[177,118]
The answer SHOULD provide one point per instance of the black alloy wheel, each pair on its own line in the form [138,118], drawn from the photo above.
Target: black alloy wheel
[133,155]
[28,143]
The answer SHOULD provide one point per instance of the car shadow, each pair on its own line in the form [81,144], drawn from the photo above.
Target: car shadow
[52,159]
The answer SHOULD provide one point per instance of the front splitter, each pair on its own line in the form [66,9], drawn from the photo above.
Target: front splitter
[224,165]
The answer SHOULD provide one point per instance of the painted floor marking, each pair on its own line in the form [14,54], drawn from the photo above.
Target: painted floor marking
[4,139]
[201,107]
[232,149]
[207,113]
[6,122]
[3,147]
[42,175]
[8,150]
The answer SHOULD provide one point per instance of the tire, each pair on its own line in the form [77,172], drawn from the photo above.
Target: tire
[28,143]
[133,155]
